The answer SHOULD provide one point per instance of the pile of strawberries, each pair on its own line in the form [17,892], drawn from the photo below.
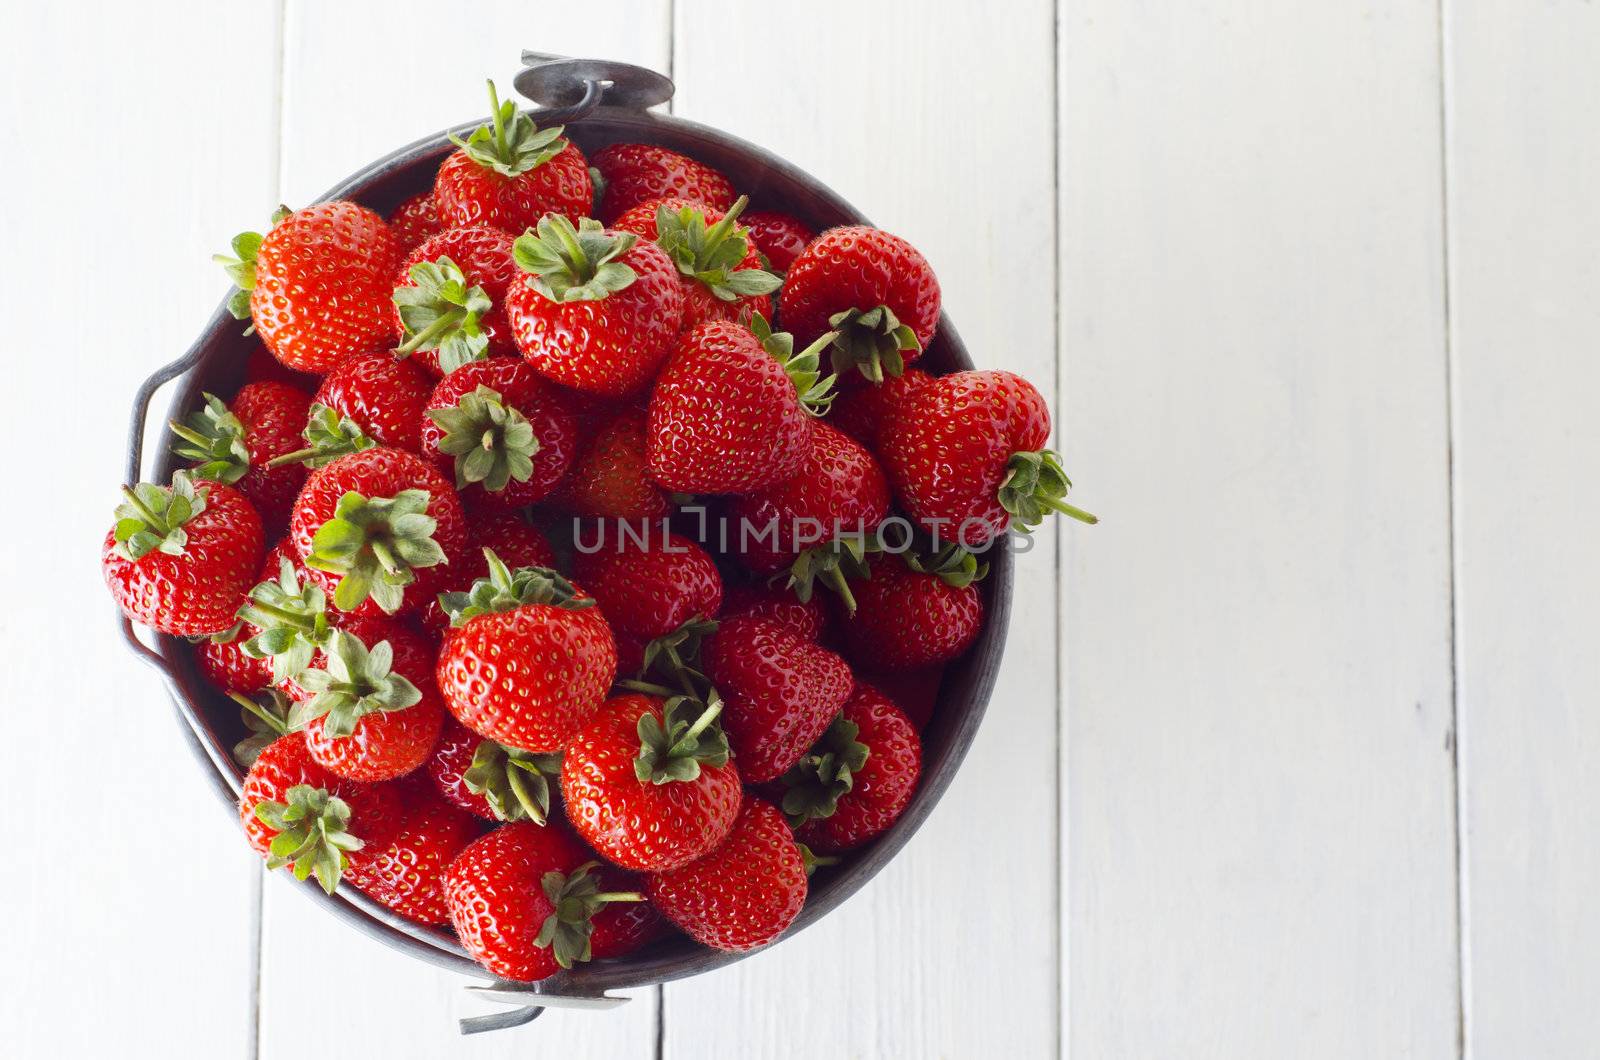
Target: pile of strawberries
[507,551]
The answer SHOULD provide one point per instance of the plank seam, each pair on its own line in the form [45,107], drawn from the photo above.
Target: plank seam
[1062,973]
[1457,759]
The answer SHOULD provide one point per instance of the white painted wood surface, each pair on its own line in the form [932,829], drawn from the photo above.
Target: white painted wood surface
[1313,288]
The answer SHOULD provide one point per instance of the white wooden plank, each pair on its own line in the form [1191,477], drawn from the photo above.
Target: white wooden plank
[345,105]
[1524,163]
[940,130]
[129,891]
[1259,770]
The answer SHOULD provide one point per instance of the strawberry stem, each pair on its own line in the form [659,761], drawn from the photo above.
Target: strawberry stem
[1068,509]
[274,724]
[689,739]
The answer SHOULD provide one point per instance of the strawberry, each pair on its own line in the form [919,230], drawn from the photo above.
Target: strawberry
[647,782]
[368,523]
[527,902]
[914,691]
[370,711]
[779,237]
[414,221]
[598,310]
[296,813]
[806,618]
[966,455]
[864,412]
[490,780]
[912,613]
[731,411]
[235,445]
[743,894]
[719,267]
[450,298]
[634,173]
[528,660]
[501,431]
[610,477]
[650,584]
[838,492]
[858,779]
[261,367]
[779,692]
[317,286]
[510,173]
[382,395]
[407,876]
[181,557]
[516,541]
[873,290]
[226,665]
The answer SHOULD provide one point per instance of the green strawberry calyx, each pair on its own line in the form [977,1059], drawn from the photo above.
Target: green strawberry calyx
[376,544]
[1036,485]
[815,783]
[814,861]
[712,254]
[241,267]
[292,619]
[507,590]
[833,564]
[686,736]
[952,564]
[313,836]
[492,443]
[328,436]
[356,681]
[151,518]
[510,144]
[567,264]
[675,657]
[804,368]
[870,341]
[440,311]
[577,898]
[266,717]
[515,783]
[213,437]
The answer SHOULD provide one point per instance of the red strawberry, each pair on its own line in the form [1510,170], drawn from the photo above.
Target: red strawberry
[318,284]
[296,813]
[225,664]
[414,220]
[510,173]
[914,691]
[870,287]
[910,613]
[837,493]
[598,310]
[864,412]
[650,584]
[966,455]
[502,432]
[373,524]
[732,410]
[634,173]
[610,478]
[235,445]
[450,298]
[779,237]
[490,780]
[180,558]
[745,893]
[858,779]
[382,395]
[721,271]
[806,618]
[779,692]
[408,875]
[648,783]
[526,902]
[517,542]
[369,706]
[528,660]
